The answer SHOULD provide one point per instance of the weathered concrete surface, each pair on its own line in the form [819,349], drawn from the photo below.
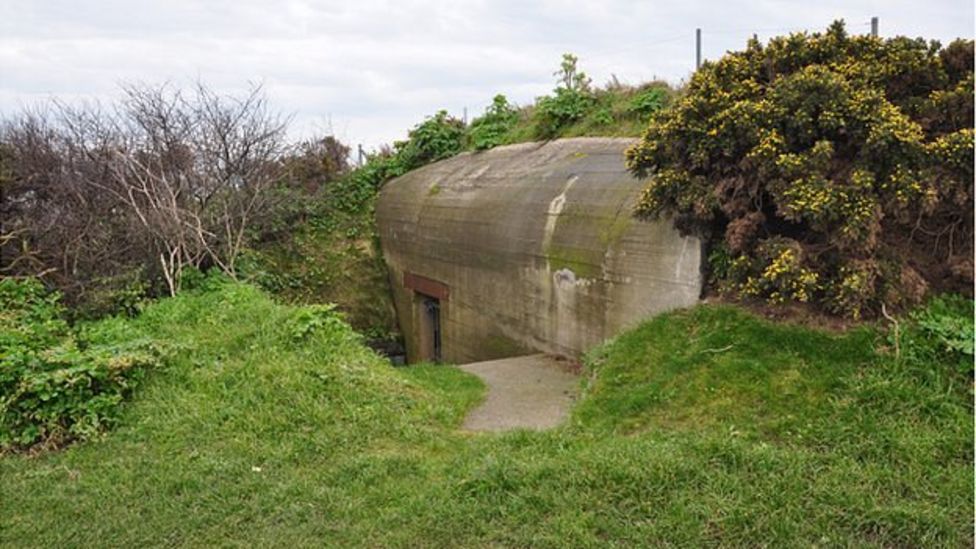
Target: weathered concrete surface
[530,248]
[526,392]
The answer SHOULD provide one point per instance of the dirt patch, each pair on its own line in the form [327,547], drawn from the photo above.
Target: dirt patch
[800,314]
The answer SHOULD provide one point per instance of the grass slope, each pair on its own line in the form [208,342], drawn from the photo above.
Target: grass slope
[273,425]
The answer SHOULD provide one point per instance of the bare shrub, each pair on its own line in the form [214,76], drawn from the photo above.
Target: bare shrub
[163,181]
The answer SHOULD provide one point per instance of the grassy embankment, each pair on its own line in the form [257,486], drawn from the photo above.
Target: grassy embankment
[615,111]
[273,425]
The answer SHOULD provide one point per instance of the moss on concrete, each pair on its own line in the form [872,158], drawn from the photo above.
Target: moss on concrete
[582,262]
[610,233]
[572,225]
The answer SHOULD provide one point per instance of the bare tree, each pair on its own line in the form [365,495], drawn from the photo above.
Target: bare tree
[242,144]
[166,178]
[52,224]
[195,172]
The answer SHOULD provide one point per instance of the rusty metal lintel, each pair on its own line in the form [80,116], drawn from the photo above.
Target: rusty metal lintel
[425,285]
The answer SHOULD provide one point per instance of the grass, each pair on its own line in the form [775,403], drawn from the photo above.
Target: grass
[716,367]
[273,425]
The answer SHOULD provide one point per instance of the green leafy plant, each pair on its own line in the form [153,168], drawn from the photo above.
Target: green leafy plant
[312,318]
[603,116]
[647,102]
[571,101]
[488,130]
[852,152]
[941,332]
[438,137]
[59,384]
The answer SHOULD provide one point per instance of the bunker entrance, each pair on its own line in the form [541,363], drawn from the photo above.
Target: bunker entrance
[426,338]
[430,328]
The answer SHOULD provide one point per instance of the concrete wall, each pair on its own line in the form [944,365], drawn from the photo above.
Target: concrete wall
[529,247]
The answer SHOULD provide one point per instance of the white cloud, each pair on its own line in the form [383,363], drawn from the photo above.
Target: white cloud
[370,69]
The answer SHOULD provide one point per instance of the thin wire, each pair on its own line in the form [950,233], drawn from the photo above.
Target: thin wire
[709,32]
[748,31]
[780,29]
[638,46]
[705,34]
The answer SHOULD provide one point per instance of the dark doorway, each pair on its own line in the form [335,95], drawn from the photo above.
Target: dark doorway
[432,308]
[428,328]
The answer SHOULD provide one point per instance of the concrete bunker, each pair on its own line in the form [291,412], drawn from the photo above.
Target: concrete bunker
[528,248]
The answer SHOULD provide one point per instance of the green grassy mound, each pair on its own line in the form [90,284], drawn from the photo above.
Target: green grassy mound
[273,425]
[613,111]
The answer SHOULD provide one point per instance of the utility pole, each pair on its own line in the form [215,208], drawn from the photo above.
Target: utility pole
[874,26]
[362,154]
[697,48]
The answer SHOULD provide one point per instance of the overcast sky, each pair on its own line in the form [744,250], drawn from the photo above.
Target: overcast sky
[369,70]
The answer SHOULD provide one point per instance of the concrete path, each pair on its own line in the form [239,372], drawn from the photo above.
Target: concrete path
[526,392]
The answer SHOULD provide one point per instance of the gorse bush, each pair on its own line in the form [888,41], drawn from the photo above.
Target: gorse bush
[828,168]
[59,384]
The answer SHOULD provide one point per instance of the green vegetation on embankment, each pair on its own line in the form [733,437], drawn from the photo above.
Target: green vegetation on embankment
[575,108]
[328,252]
[267,424]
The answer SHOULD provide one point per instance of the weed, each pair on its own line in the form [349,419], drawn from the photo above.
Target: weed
[59,384]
